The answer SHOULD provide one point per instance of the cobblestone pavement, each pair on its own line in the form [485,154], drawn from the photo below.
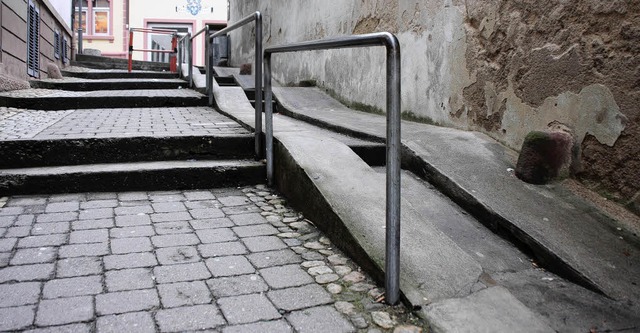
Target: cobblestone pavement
[52,93]
[16,124]
[224,260]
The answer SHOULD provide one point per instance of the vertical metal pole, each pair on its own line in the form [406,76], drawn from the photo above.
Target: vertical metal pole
[180,59]
[207,64]
[258,84]
[392,254]
[130,50]
[173,59]
[268,115]
[210,68]
[80,27]
[190,59]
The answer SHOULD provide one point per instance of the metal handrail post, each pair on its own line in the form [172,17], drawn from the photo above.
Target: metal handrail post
[268,116]
[393,145]
[190,61]
[207,63]
[179,60]
[257,17]
[392,251]
[258,84]
[210,69]
[130,65]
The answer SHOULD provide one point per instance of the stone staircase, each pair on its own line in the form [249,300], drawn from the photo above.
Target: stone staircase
[110,130]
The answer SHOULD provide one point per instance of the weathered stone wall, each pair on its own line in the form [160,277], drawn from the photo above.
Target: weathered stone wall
[504,67]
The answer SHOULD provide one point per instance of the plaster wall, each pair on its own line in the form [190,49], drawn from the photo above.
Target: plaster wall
[168,12]
[504,67]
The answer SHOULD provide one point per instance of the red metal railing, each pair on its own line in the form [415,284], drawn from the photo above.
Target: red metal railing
[174,46]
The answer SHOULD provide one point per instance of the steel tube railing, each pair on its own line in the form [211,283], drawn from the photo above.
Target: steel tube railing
[190,61]
[207,63]
[182,46]
[392,245]
[199,32]
[174,46]
[154,31]
[187,44]
[204,30]
[257,17]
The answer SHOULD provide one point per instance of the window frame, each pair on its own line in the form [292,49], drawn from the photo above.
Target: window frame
[89,13]
[96,10]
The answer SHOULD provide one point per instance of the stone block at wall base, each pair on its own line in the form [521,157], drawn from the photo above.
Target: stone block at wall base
[546,156]
[8,83]
[53,71]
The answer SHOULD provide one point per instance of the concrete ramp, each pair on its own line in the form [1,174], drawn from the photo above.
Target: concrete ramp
[324,171]
[566,235]
[317,169]
[441,243]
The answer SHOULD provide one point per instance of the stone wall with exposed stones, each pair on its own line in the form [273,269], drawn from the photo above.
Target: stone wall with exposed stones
[504,67]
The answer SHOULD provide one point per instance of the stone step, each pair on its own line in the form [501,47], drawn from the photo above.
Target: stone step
[100,62]
[148,176]
[120,74]
[53,152]
[65,100]
[225,81]
[108,84]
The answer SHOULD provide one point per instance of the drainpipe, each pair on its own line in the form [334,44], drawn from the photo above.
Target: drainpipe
[80,27]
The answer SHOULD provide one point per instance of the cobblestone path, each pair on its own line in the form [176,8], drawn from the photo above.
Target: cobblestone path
[16,124]
[224,260]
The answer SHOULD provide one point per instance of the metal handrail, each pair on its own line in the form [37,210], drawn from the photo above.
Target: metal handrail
[204,30]
[392,246]
[199,32]
[257,17]
[173,51]
[185,43]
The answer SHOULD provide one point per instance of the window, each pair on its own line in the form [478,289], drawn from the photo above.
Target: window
[33,40]
[56,44]
[96,16]
[84,20]
[101,17]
